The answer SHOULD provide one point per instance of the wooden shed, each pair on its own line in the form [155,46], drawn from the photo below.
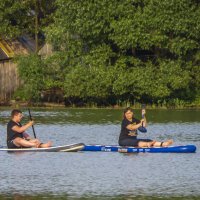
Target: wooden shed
[9,79]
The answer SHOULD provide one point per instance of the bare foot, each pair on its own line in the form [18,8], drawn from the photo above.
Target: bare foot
[46,145]
[167,143]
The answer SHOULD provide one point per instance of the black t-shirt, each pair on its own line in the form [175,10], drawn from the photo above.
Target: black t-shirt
[11,135]
[126,133]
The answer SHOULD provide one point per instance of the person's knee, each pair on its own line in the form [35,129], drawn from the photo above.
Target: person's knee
[142,144]
[17,141]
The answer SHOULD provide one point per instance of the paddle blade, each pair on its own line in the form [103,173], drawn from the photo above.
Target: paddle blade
[142,129]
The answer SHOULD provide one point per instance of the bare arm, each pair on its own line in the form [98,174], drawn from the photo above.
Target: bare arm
[23,128]
[135,126]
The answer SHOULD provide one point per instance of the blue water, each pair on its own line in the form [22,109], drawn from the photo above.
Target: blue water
[102,175]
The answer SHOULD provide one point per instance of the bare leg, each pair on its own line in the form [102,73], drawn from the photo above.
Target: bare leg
[40,144]
[45,145]
[163,144]
[20,142]
[146,144]
[167,143]
[35,141]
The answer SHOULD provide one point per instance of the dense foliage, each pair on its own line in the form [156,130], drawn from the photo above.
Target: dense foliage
[19,17]
[31,70]
[126,51]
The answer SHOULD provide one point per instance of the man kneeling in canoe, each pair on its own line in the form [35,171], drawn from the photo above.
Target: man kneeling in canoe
[16,135]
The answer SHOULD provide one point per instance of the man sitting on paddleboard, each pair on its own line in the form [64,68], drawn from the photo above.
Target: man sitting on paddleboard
[16,135]
[128,135]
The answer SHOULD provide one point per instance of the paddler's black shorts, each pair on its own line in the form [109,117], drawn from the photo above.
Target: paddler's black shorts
[11,145]
[132,142]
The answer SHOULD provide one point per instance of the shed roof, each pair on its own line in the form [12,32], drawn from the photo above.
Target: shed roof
[3,56]
[6,51]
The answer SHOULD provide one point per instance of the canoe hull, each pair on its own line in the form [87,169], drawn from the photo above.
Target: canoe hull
[64,148]
[113,148]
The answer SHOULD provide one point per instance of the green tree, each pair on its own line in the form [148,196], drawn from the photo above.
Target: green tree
[29,17]
[32,70]
[150,48]
[25,17]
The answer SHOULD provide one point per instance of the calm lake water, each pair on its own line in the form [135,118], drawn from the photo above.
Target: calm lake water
[102,175]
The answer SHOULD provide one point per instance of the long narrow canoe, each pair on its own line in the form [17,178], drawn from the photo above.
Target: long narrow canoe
[115,148]
[63,148]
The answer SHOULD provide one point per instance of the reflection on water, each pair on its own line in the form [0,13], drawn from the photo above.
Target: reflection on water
[103,116]
[100,175]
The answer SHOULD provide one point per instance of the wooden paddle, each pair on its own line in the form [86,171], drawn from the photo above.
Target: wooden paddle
[31,120]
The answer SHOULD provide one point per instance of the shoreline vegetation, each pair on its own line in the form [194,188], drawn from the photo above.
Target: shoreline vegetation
[19,104]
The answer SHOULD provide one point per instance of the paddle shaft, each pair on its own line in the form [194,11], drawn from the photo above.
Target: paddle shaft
[31,120]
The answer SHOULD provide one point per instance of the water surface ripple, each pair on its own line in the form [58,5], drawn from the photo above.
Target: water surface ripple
[98,174]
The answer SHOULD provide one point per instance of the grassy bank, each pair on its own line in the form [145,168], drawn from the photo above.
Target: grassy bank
[175,104]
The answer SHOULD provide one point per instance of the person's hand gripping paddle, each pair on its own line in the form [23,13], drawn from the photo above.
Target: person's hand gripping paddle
[142,128]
